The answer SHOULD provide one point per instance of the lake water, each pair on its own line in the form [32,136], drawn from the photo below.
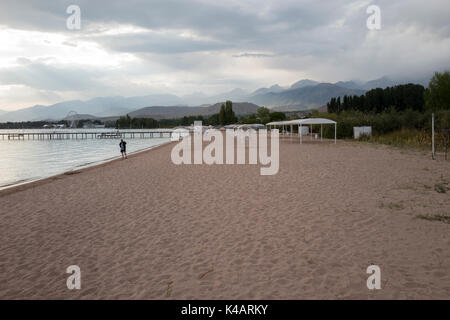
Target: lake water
[28,160]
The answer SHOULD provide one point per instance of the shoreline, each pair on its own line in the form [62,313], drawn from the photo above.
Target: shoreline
[28,184]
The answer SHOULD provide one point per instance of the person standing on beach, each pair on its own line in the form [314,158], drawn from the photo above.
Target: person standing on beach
[123,149]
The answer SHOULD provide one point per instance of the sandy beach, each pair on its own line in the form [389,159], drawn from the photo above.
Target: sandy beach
[145,228]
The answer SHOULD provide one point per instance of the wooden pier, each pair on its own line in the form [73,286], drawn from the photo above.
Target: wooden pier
[80,135]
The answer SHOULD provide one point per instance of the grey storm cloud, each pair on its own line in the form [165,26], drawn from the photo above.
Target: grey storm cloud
[252,55]
[250,24]
[158,43]
[300,26]
[324,40]
[45,76]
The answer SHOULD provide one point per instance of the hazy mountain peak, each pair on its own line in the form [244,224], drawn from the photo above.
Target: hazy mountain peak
[238,91]
[304,83]
[349,84]
[382,82]
[275,87]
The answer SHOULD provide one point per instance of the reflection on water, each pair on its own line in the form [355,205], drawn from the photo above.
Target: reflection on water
[25,160]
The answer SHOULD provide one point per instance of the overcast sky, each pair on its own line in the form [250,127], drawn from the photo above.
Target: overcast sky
[136,47]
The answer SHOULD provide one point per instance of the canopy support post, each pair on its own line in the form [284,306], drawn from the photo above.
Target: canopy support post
[321,130]
[301,134]
[335,133]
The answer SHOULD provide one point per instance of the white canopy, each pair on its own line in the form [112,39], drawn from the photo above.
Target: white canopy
[309,121]
[301,121]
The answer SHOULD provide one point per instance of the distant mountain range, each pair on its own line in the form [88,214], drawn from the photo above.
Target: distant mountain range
[309,97]
[98,107]
[240,108]
[302,95]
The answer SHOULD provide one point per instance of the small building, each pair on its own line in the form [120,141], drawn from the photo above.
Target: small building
[358,132]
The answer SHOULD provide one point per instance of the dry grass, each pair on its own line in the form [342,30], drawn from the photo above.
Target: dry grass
[434,217]
[441,187]
[404,139]
[392,206]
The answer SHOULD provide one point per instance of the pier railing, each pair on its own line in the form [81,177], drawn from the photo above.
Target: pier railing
[85,135]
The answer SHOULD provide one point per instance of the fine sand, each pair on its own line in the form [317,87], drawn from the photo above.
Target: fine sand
[144,228]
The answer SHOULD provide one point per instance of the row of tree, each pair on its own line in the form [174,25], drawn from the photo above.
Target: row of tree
[401,97]
[263,115]
[30,124]
[126,122]
[82,122]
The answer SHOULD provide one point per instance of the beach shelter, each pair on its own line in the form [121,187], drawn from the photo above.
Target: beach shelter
[303,122]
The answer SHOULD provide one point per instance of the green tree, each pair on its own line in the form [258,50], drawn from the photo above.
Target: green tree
[185,121]
[128,120]
[263,112]
[277,116]
[213,120]
[332,106]
[123,122]
[437,96]
[222,115]
[230,117]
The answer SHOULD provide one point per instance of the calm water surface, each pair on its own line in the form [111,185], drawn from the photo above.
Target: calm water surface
[27,160]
